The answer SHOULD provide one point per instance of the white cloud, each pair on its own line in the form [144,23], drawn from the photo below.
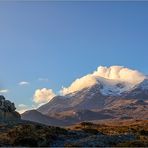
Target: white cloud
[119,73]
[22,105]
[43,95]
[3,90]
[78,84]
[43,79]
[21,108]
[22,83]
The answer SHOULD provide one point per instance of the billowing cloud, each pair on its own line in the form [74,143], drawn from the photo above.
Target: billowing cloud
[119,73]
[78,84]
[3,90]
[22,83]
[43,95]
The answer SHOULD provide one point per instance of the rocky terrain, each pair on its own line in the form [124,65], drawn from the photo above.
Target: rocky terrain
[132,133]
[99,133]
[7,111]
[103,113]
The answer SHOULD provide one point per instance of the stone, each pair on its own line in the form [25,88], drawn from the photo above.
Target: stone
[7,110]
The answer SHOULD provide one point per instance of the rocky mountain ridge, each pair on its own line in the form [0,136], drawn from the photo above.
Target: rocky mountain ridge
[114,92]
[91,104]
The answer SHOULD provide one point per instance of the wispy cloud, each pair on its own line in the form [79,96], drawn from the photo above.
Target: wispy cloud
[4,90]
[22,83]
[21,108]
[43,79]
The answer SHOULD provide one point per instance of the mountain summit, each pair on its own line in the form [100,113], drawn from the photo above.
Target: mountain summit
[108,93]
[109,76]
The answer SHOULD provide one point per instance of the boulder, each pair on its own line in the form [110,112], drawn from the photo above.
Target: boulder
[7,110]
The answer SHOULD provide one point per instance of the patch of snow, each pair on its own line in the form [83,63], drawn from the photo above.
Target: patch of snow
[113,73]
[109,87]
[114,87]
[144,84]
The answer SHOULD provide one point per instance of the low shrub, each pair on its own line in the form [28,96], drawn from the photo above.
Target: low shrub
[136,143]
[90,131]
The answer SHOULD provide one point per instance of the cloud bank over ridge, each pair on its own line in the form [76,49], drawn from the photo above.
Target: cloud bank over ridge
[116,73]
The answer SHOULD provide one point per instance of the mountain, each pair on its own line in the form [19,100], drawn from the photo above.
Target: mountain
[109,93]
[140,91]
[34,115]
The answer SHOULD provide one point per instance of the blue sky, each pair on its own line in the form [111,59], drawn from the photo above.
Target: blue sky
[62,41]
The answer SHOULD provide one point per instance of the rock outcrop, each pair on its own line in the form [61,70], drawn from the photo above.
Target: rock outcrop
[7,110]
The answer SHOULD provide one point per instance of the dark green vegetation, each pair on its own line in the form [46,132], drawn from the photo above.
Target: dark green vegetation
[125,133]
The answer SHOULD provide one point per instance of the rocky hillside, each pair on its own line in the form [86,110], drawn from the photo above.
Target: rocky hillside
[7,111]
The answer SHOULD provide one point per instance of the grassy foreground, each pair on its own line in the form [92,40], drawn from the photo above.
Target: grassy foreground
[125,133]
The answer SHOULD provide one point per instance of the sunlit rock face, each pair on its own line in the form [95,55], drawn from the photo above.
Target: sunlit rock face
[7,110]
